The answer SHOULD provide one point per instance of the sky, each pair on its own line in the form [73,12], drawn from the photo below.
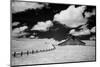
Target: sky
[52,20]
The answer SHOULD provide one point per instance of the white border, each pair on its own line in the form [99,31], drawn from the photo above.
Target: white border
[5,33]
[86,2]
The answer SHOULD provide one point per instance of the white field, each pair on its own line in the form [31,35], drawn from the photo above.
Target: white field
[29,44]
[67,53]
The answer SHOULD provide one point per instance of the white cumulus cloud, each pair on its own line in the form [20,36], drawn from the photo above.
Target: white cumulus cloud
[72,16]
[93,37]
[15,23]
[89,14]
[43,26]
[19,31]
[93,29]
[81,32]
[84,31]
[22,6]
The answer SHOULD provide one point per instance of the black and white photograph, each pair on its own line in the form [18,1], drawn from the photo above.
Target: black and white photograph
[52,33]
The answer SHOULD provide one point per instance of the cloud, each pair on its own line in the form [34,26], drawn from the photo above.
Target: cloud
[71,17]
[19,31]
[84,31]
[32,36]
[43,26]
[22,6]
[78,33]
[89,14]
[93,30]
[15,23]
[93,37]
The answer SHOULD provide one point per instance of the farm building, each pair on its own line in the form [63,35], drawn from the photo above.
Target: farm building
[72,40]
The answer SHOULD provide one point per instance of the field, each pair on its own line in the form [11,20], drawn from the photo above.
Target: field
[67,53]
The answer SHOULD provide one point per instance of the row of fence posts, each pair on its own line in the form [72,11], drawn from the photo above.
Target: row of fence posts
[15,54]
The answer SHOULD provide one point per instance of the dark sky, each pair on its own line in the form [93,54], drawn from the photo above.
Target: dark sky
[30,18]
